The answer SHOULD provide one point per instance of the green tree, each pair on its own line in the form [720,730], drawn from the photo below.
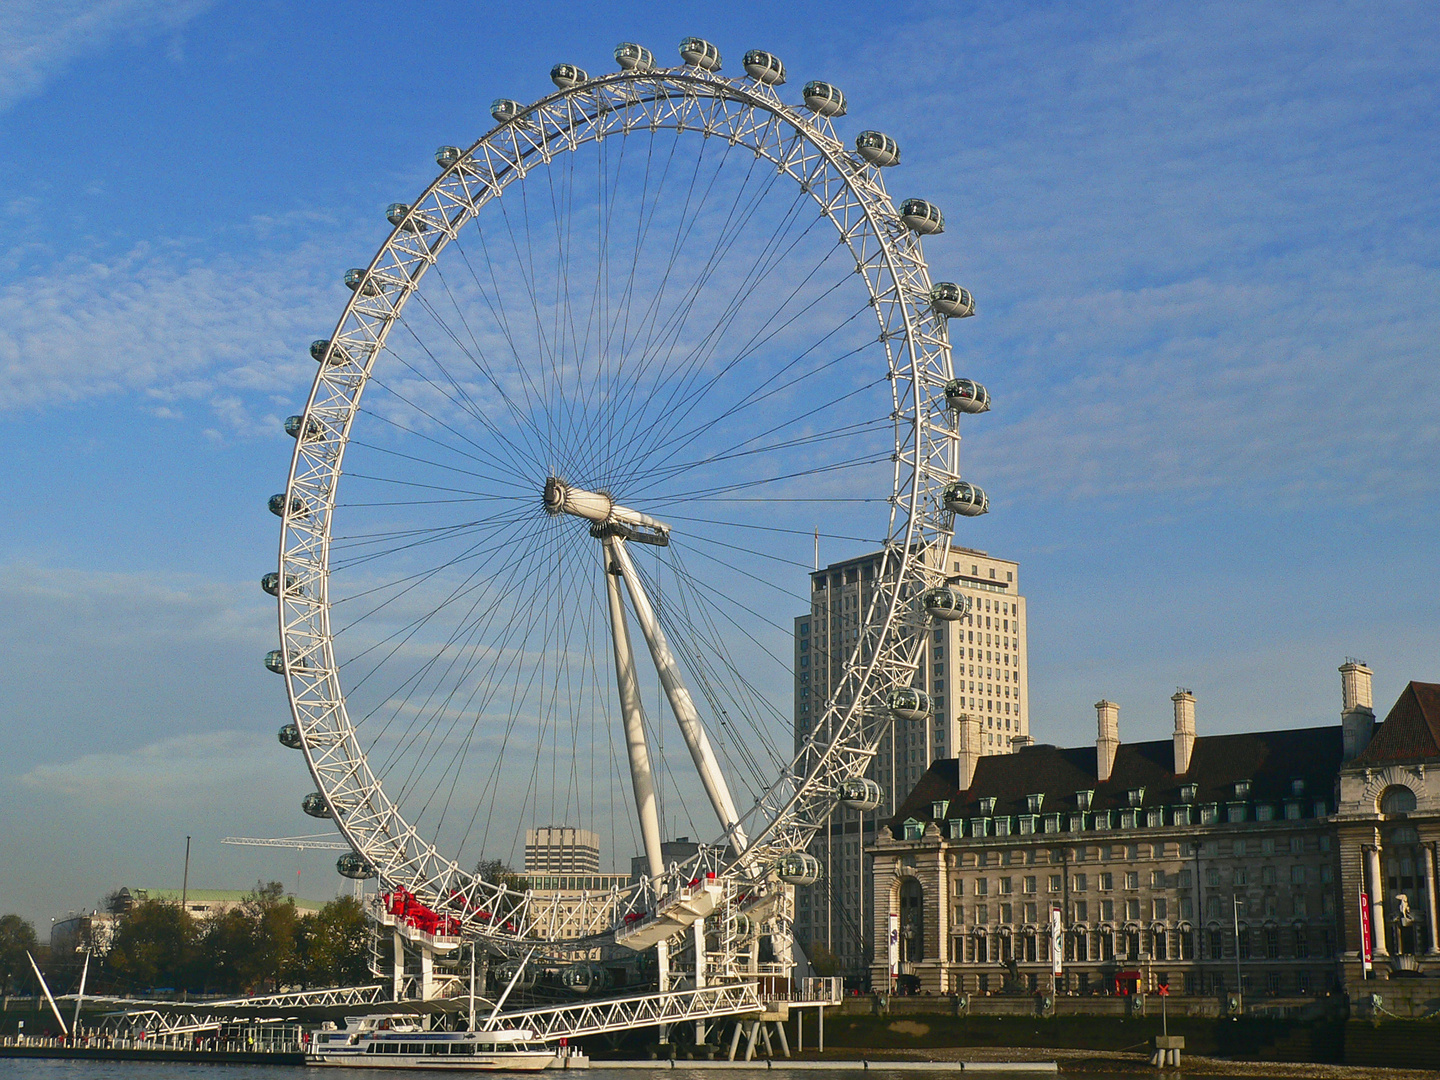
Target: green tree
[333,945]
[273,920]
[224,947]
[17,936]
[154,946]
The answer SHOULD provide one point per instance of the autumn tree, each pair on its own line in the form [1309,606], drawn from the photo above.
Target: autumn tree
[17,937]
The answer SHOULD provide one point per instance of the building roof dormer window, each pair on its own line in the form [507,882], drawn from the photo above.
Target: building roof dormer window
[987,805]
[1188,792]
[1083,799]
[1242,789]
[1137,796]
[1033,803]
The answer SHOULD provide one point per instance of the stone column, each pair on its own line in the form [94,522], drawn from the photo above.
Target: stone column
[1427,871]
[1377,900]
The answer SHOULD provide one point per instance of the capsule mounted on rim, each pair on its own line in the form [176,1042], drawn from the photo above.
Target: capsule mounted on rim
[967,396]
[861,793]
[765,68]
[965,499]
[322,352]
[921,216]
[632,57]
[945,603]
[270,583]
[398,214]
[505,109]
[275,661]
[823,98]
[294,425]
[568,76]
[908,703]
[799,868]
[697,52]
[277,504]
[446,156]
[314,805]
[877,148]
[289,736]
[356,867]
[951,300]
[358,280]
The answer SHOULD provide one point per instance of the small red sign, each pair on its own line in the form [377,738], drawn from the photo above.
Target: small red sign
[1163,989]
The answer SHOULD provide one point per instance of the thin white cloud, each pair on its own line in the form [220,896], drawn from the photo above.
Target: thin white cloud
[167,773]
[227,332]
[40,38]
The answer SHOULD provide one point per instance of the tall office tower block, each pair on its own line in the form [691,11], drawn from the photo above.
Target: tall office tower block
[561,849]
[975,667]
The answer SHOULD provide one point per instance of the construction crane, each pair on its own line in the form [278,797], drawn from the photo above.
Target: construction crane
[317,842]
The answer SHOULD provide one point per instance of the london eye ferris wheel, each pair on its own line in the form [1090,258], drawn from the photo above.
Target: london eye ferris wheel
[553,494]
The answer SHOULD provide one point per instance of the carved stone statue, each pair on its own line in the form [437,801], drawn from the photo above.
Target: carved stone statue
[1013,982]
[1403,915]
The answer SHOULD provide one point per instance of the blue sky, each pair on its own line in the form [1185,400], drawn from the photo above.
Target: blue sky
[1203,239]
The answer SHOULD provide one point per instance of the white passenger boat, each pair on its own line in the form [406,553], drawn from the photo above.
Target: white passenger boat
[397,1042]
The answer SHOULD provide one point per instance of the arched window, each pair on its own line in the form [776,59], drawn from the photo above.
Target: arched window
[912,921]
[1397,799]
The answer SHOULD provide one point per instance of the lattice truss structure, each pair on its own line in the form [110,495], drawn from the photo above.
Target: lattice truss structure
[749,857]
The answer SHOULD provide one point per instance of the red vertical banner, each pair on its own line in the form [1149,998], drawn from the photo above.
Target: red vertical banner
[1367,952]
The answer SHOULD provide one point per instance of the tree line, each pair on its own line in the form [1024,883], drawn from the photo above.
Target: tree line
[261,945]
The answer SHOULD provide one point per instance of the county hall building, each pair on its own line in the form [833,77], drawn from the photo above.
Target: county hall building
[1178,861]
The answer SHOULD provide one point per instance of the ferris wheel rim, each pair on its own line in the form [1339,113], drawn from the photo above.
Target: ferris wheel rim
[411,861]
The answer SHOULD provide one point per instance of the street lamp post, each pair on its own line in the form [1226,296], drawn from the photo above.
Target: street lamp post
[1239,986]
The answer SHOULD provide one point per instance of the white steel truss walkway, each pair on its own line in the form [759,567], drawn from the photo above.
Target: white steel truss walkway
[623,1014]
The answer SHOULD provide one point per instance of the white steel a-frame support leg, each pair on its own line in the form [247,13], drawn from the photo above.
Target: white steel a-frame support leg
[681,704]
[633,713]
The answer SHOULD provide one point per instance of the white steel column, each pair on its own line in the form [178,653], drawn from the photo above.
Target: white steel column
[1377,899]
[633,712]
[1427,871]
[398,973]
[680,701]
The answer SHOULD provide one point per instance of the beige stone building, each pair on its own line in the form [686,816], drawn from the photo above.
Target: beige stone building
[976,666]
[1209,863]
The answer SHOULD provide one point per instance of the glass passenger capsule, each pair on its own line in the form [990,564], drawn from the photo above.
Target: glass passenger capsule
[945,603]
[877,148]
[922,217]
[908,703]
[315,805]
[289,735]
[320,349]
[965,499]
[356,867]
[505,109]
[632,57]
[528,974]
[275,661]
[584,978]
[398,214]
[357,280]
[271,582]
[446,156]
[822,98]
[697,52]
[967,396]
[861,794]
[800,868]
[295,424]
[278,507]
[568,76]
[764,67]
[952,301]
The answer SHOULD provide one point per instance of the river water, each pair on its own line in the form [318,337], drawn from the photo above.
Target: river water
[32,1069]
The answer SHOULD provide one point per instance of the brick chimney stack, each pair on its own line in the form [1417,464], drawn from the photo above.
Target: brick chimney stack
[1107,720]
[1184,730]
[968,751]
[1357,708]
